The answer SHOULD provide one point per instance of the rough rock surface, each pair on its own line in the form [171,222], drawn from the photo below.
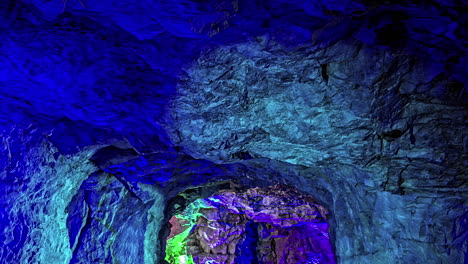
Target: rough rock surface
[313,107]
[248,101]
[264,225]
[116,115]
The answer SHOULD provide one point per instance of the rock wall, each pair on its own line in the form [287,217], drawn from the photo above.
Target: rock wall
[260,225]
[38,184]
[115,116]
[345,105]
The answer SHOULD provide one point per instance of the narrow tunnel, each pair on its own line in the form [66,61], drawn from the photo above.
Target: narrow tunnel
[258,225]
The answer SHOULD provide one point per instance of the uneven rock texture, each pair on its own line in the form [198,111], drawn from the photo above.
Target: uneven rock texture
[117,115]
[253,100]
[35,197]
[270,225]
[250,100]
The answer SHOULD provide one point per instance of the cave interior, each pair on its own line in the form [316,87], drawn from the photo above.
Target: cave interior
[233,132]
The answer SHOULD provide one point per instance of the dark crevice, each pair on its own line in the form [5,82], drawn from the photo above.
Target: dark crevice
[324,72]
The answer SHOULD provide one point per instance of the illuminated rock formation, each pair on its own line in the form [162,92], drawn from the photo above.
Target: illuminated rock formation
[271,225]
[118,117]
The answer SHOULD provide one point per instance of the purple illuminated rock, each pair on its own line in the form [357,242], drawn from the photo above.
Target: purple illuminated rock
[271,225]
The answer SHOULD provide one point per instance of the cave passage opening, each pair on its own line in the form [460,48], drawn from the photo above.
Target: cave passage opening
[269,225]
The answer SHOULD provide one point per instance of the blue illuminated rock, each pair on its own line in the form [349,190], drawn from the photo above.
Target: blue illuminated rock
[117,115]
